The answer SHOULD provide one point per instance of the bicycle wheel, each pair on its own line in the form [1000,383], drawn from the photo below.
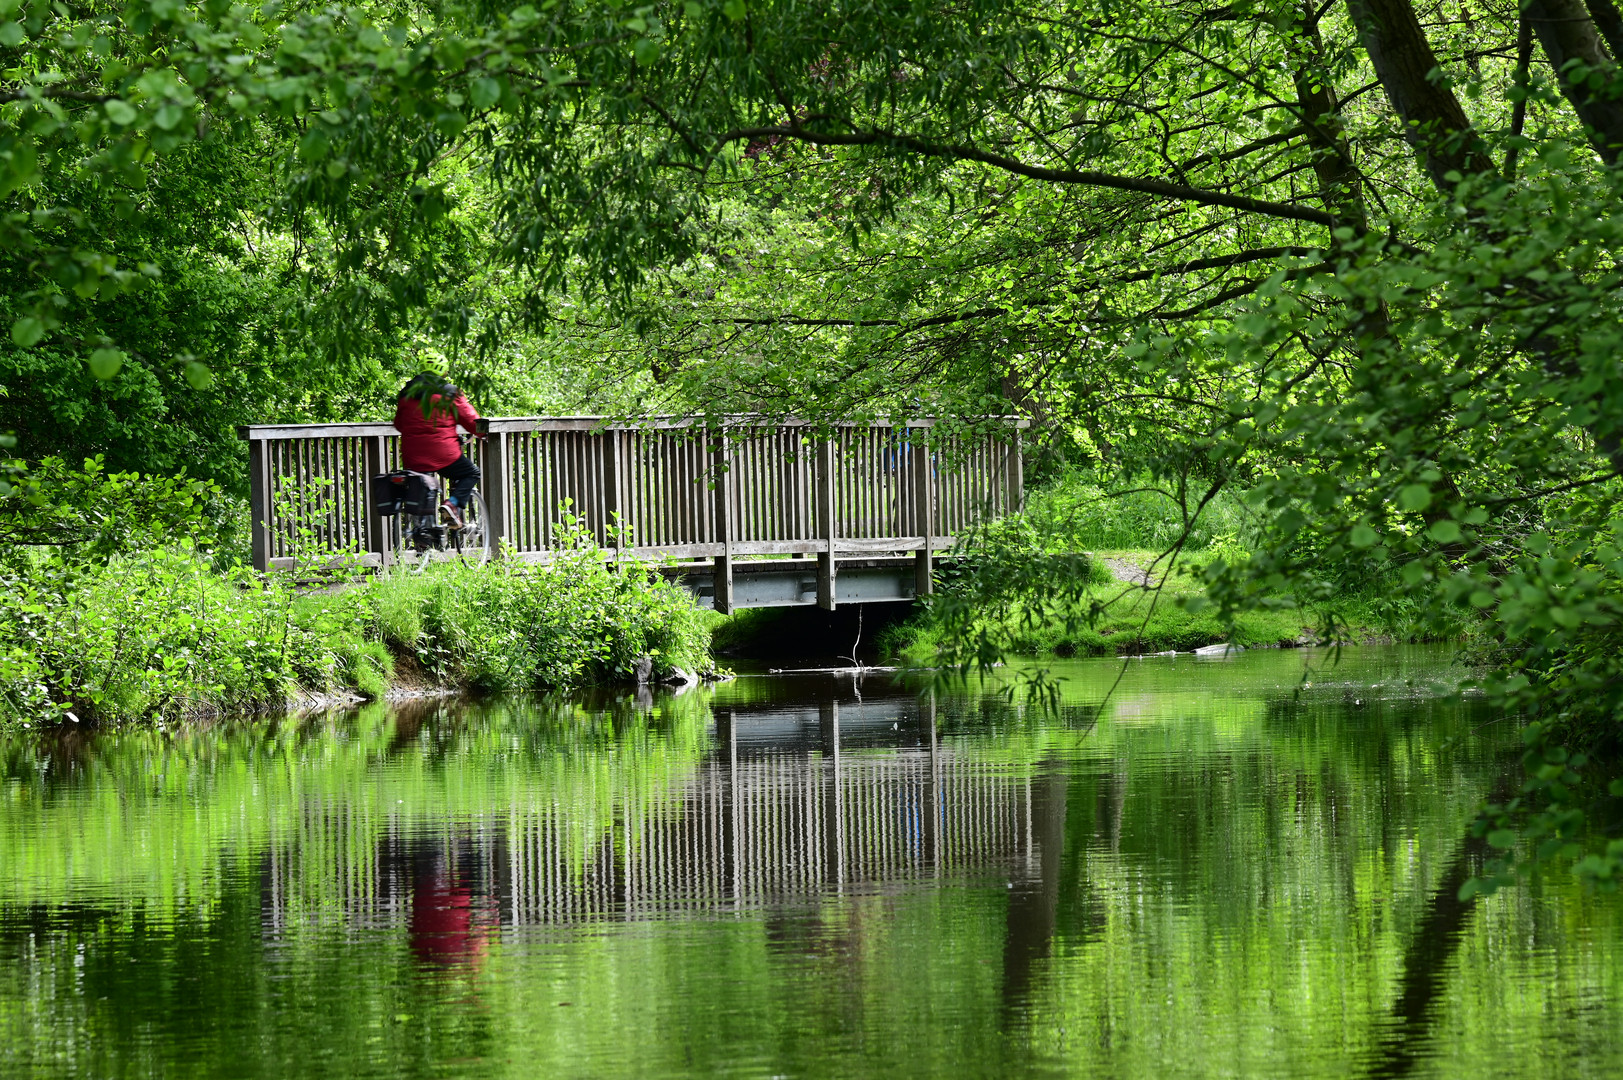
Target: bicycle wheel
[473,539]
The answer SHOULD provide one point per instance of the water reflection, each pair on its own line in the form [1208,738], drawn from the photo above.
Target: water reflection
[1241,868]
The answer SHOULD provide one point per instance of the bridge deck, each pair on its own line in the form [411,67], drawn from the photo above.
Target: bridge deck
[741,495]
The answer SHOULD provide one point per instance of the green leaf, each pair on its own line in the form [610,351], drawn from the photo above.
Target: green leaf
[12,34]
[1445,532]
[733,9]
[27,331]
[1363,536]
[485,93]
[1502,838]
[450,123]
[1414,497]
[314,145]
[105,363]
[646,52]
[121,113]
[198,375]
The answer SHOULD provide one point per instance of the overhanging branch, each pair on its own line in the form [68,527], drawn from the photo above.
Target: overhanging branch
[1084,177]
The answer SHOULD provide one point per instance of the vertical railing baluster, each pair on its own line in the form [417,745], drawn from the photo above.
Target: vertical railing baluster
[725,484]
[923,510]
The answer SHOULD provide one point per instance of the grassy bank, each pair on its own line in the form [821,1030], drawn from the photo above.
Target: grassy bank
[1140,613]
[163,633]
[1022,588]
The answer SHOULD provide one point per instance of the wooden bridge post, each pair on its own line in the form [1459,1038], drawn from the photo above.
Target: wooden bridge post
[721,469]
[826,568]
[497,468]
[375,454]
[259,497]
[834,801]
[1015,474]
[923,510]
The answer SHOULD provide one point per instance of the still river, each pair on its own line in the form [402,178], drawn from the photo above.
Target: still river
[1241,867]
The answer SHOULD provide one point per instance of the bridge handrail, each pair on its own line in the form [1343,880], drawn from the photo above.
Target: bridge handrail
[666,487]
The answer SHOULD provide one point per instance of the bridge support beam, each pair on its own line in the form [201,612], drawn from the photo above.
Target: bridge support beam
[497,467]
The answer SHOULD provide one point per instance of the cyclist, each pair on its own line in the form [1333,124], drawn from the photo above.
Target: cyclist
[427,413]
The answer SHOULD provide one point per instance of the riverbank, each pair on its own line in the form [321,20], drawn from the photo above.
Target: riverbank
[162,634]
[1142,611]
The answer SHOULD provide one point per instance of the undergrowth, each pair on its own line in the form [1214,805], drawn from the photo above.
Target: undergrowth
[162,633]
[121,599]
[1131,620]
[507,627]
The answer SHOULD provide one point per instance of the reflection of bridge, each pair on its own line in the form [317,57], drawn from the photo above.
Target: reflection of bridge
[747,498]
[771,826]
[791,807]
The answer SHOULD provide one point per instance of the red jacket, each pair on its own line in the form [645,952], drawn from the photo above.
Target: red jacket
[428,443]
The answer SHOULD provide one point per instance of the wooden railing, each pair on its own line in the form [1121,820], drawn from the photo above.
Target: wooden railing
[665,489]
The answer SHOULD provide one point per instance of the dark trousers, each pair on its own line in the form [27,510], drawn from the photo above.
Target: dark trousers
[464,477]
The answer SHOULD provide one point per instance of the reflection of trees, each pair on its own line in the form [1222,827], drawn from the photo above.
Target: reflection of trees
[1432,944]
[1034,900]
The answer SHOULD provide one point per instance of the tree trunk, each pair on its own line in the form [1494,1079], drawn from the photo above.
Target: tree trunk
[1566,33]
[1610,25]
[1433,121]
[1340,186]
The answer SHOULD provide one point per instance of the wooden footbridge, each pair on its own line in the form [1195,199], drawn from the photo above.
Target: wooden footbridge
[740,510]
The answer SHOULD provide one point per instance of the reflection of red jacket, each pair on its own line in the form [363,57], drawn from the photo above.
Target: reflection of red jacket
[428,443]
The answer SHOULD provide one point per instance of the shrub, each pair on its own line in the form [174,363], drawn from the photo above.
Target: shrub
[160,632]
[509,626]
[90,513]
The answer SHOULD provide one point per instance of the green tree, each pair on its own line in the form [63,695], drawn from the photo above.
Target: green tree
[1360,267]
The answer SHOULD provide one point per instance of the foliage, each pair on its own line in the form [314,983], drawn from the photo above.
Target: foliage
[1111,617]
[159,633]
[507,627]
[1075,509]
[94,514]
[1357,268]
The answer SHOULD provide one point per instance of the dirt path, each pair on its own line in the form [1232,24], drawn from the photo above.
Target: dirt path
[1126,571]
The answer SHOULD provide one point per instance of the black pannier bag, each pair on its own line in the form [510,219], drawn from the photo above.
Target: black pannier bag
[403,492]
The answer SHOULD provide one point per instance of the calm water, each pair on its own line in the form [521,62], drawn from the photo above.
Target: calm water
[1230,868]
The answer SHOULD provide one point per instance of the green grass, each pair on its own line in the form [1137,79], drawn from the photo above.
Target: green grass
[1136,620]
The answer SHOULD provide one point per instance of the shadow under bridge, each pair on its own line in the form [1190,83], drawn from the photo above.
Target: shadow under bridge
[747,513]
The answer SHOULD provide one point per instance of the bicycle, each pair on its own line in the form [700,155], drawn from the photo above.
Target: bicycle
[424,527]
